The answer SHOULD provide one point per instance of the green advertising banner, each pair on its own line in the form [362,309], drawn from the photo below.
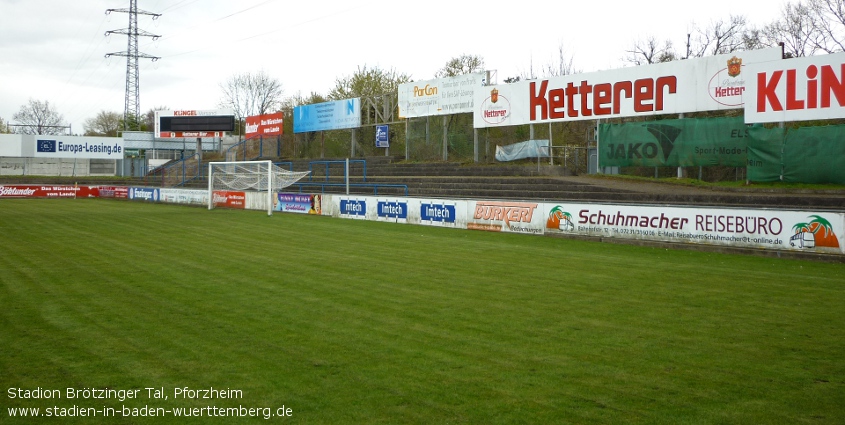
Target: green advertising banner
[674,143]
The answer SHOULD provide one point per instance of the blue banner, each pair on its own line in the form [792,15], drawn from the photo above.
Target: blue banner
[46,146]
[382,140]
[392,209]
[353,207]
[436,212]
[327,116]
[144,194]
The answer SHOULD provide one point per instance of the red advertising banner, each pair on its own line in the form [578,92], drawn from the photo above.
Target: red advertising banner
[265,125]
[228,199]
[33,191]
[118,192]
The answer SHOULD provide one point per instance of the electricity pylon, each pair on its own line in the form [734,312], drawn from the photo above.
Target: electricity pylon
[132,107]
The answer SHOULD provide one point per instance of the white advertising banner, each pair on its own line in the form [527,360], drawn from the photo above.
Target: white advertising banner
[73,147]
[790,230]
[256,201]
[429,212]
[684,86]
[357,207]
[809,231]
[505,216]
[10,145]
[799,89]
[184,196]
[442,96]
[752,228]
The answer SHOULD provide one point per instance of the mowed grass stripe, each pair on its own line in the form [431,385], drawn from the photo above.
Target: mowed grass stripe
[360,322]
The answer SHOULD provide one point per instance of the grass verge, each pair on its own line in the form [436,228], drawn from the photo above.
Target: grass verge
[348,321]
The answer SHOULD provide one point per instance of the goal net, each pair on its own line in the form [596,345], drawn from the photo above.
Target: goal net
[250,176]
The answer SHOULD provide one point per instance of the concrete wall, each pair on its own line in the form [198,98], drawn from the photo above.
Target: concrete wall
[55,167]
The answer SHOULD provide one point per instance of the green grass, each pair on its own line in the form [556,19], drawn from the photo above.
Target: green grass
[347,321]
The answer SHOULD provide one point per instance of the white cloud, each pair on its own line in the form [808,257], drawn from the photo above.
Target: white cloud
[55,51]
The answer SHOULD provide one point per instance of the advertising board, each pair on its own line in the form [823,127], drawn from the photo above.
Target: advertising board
[336,115]
[452,95]
[144,194]
[505,216]
[184,196]
[193,123]
[74,147]
[116,192]
[798,89]
[392,209]
[265,125]
[229,199]
[440,212]
[43,191]
[752,228]
[701,84]
[300,203]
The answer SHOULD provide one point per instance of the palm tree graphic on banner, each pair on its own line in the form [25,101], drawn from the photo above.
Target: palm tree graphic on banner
[821,229]
[560,219]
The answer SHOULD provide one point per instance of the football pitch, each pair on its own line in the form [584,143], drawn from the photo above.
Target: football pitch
[132,312]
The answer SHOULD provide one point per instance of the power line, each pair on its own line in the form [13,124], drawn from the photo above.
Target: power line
[204,24]
[318,18]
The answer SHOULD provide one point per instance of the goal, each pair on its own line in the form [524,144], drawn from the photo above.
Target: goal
[251,176]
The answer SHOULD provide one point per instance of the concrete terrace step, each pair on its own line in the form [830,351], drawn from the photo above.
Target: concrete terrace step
[605,196]
[387,168]
[428,185]
[524,182]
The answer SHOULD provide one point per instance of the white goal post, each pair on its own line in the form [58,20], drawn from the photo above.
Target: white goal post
[253,176]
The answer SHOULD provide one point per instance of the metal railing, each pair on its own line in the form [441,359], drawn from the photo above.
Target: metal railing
[326,163]
[253,148]
[288,163]
[374,186]
[178,173]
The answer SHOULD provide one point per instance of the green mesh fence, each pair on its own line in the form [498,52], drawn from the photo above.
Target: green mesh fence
[765,149]
[674,143]
[815,155]
[800,155]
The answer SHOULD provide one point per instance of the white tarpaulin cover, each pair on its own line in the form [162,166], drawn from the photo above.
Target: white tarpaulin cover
[528,149]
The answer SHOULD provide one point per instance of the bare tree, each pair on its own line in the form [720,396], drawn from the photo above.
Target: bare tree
[461,65]
[650,51]
[251,94]
[828,19]
[106,123]
[561,66]
[37,117]
[752,39]
[794,29]
[719,38]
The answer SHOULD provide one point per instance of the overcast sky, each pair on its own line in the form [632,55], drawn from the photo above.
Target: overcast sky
[54,50]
